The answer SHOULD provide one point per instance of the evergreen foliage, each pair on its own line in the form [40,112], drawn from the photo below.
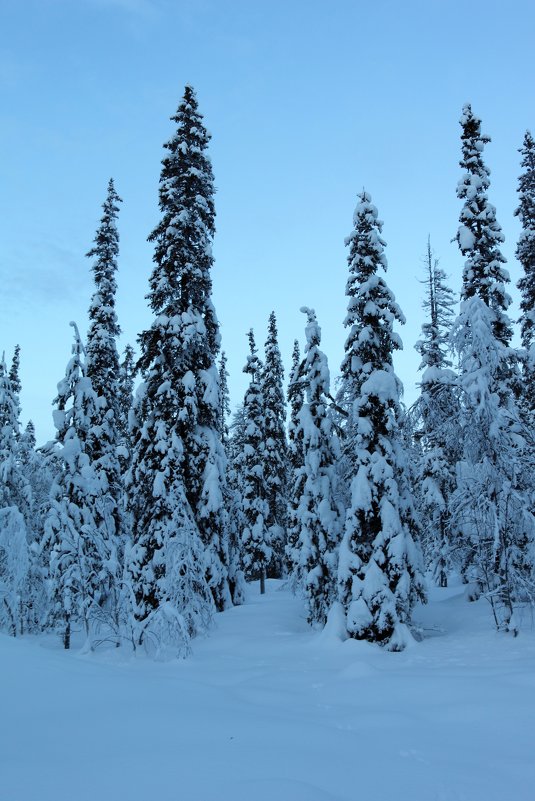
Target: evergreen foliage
[525,253]
[492,507]
[232,491]
[125,396]
[179,558]
[224,401]
[178,352]
[318,511]
[379,565]
[103,435]
[15,507]
[439,431]
[145,515]
[14,372]
[479,235]
[257,551]
[275,447]
[296,462]
[72,541]
[235,446]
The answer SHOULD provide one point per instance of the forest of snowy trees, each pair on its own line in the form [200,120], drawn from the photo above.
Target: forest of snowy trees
[154,504]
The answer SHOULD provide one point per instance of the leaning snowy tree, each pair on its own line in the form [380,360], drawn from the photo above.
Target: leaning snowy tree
[177,475]
[494,475]
[103,436]
[437,411]
[525,253]
[379,572]
[275,447]
[319,513]
[250,464]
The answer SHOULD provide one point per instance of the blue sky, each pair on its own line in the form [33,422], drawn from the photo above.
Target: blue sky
[307,103]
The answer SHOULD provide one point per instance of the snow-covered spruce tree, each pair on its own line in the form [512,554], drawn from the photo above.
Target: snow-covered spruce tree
[235,448]
[525,253]
[296,462]
[103,435]
[178,562]
[39,470]
[15,506]
[479,235]
[257,550]
[184,338]
[379,570]
[318,512]
[72,541]
[437,411]
[494,475]
[275,447]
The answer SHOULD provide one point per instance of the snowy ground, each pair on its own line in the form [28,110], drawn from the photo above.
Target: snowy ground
[266,710]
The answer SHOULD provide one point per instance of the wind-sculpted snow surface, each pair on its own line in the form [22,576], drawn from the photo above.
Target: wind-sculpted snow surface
[267,710]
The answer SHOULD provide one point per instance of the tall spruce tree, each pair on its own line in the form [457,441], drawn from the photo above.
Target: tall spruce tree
[439,430]
[186,331]
[525,253]
[257,552]
[494,474]
[275,447]
[177,475]
[379,564]
[103,435]
[318,511]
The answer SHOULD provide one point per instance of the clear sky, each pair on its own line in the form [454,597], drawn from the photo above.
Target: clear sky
[307,103]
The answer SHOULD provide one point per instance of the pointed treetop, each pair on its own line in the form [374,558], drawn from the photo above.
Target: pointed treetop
[479,234]
[473,140]
[366,245]
[107,231]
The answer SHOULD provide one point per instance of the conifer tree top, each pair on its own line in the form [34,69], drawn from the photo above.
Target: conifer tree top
[479,234]
[252,365]
[183,237]
[102,362]
[372,307]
